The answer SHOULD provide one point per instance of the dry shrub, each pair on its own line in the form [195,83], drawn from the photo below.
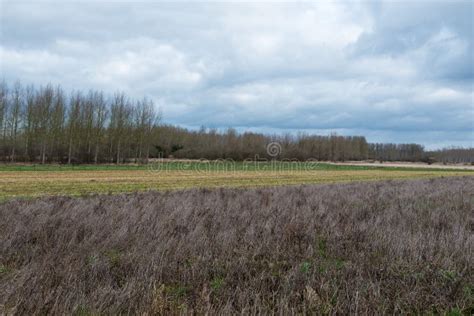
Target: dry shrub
[382,247]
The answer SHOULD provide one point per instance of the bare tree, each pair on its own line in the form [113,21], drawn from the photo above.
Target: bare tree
[73,124]
[58,114]
[3,110]
[99,120]
[48,125]
[119,124]
[44,104]
[29,118]
[145,119]
[15,117]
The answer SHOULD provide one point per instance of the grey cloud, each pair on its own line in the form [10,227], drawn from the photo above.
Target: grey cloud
[437,35]
[394,71]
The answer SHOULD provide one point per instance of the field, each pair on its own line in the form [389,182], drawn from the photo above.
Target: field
[39,180]
[399,246]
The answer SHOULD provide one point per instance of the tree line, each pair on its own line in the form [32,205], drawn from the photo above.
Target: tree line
[212,144]
[453,155]
[47,125]
[396,152]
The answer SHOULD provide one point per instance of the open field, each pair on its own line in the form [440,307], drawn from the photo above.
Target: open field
[33,181]
[416,165]
[226,165]
[401,247]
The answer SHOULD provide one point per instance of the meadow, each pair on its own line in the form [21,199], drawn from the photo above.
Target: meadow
[379,247]
[26,181]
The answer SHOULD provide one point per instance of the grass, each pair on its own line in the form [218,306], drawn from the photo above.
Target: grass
[26,181]
[215,165]
[3,269]
[390,247]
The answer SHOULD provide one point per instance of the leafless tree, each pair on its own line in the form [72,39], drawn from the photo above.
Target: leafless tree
[50,125]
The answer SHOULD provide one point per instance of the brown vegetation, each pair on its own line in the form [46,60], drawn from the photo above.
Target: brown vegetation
[48,125]
[381,247]
[27,184]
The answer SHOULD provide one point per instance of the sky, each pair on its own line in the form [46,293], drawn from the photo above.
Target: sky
[393,71]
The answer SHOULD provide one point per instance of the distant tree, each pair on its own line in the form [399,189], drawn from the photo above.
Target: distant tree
[15,117]
[100,116]
[44,104]
[3,110]
[58,114]
[119,124]
[48,124]
[73,124]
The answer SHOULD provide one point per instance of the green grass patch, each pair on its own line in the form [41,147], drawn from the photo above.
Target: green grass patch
[4,270]
[217,165]
[217,283]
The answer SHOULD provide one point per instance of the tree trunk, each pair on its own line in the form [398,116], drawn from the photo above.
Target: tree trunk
[118,152]
[69,154]
[96,153]
[140,152]
[147,154]
[26,144]
[43,154]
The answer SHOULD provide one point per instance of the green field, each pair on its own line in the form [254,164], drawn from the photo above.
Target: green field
[224,165]
[39,180]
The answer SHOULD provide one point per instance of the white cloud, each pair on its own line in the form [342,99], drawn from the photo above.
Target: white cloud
[370,68]
[145,62]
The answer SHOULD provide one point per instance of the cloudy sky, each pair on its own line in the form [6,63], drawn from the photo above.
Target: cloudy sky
[393,71]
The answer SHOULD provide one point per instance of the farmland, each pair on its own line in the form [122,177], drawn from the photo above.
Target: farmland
[39,180]
[236,158]
[229,237]
[385,247]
